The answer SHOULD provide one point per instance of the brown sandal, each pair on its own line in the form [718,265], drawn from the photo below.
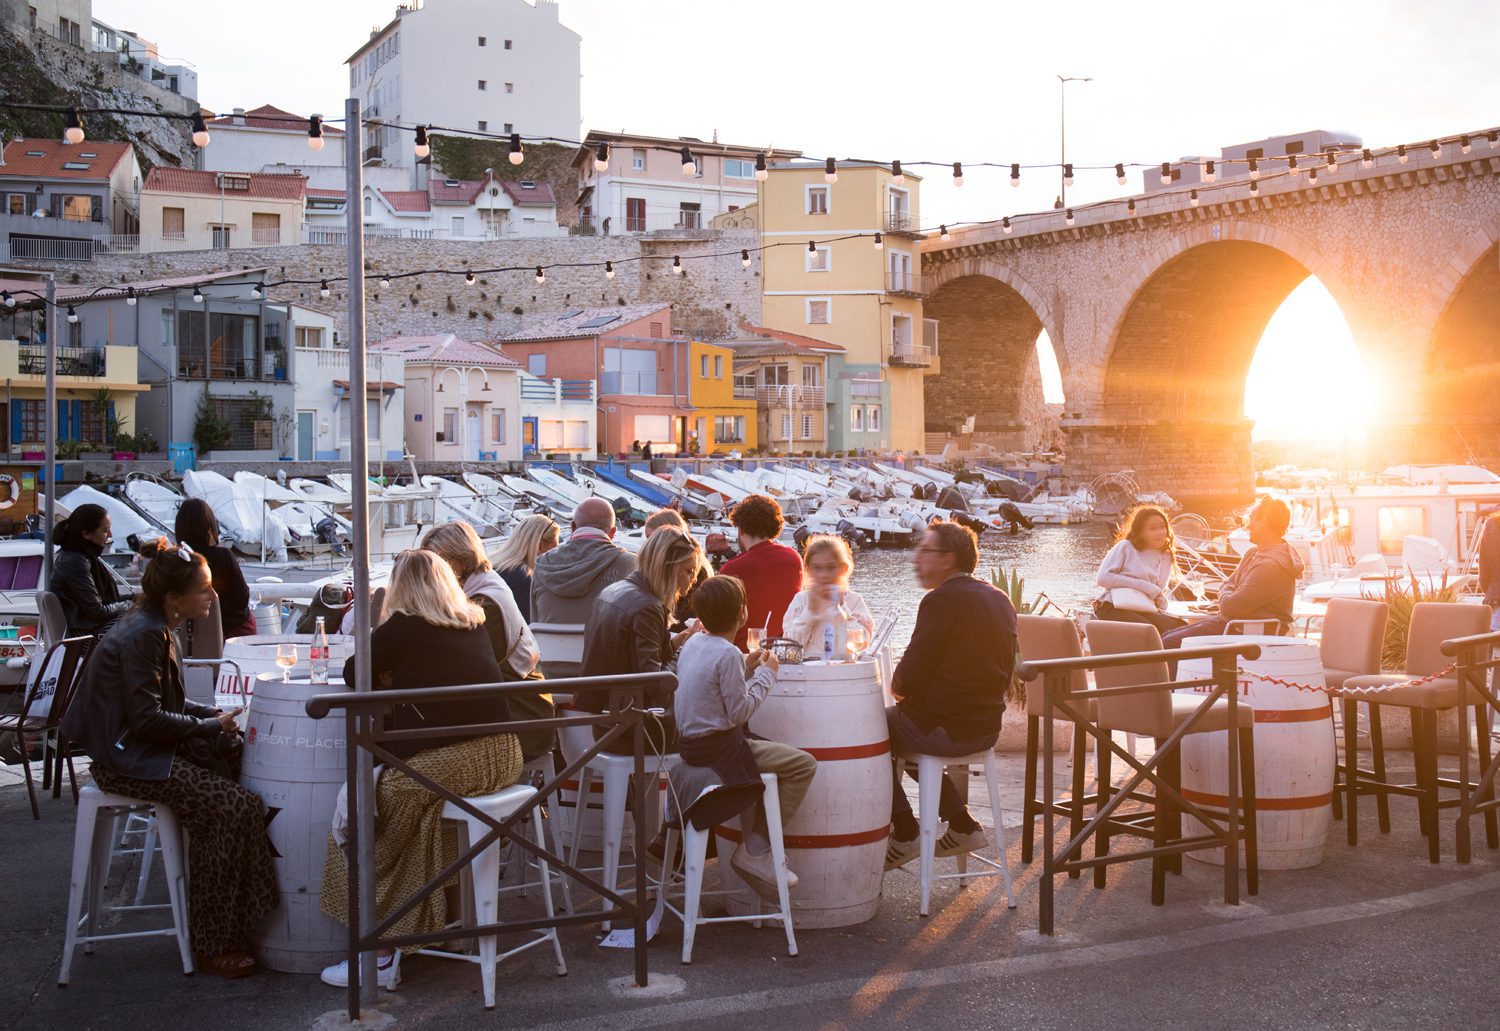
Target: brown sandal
[228,965]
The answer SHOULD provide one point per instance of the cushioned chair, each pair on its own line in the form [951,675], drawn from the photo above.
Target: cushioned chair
[1432,623]
[1157,715]
[1050,637]
[52,624]
[1352,643]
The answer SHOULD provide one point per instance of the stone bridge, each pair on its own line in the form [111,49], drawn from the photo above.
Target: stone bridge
[1155,316]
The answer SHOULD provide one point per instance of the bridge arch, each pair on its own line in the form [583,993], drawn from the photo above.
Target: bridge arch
[1461,386]
[989,317]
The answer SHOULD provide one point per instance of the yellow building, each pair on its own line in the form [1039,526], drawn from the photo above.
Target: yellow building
[720,420]
[864,294]
[187,210]
[786,374]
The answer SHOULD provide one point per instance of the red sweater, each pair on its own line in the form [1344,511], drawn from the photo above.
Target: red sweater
[772,575]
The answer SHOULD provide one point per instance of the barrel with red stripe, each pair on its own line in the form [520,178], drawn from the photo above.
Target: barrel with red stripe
[1294,752]
[836,842]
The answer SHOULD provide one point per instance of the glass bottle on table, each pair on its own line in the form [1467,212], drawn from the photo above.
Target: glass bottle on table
[318,657]
[841,620]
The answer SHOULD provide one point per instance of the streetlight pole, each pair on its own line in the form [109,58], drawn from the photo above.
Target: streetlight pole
[1062,130]
[49,446]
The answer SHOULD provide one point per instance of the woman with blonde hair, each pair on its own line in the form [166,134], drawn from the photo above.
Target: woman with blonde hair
[514,562]
[510,638]
[828,564]
[628,625]
[433,636]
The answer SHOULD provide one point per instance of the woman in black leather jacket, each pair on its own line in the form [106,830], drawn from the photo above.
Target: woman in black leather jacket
[149,742]
[628,627]
[88,591]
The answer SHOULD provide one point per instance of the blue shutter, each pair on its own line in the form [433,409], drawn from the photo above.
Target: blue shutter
[77,420]
[109,418]
[16,426]
[62,420]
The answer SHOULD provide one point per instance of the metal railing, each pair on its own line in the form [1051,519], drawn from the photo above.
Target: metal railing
[908,353]
[556,390]
[22,248]
[907,284]
[1059,700]
[900,221]
[31,360]
[363,715]
[785,394]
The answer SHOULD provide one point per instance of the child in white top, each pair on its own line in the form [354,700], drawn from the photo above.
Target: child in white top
[827,566]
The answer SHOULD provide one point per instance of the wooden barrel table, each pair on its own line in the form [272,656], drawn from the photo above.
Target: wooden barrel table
[296,764]
[1294,752]
[256,654]
[836,842]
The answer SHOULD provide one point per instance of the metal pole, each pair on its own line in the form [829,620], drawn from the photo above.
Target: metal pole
[50,445]
[1062,137]
[359,487]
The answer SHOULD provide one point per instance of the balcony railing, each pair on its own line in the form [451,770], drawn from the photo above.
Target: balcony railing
[641,383]
[905,284]
[783,395]
[556,390]
[20,248]
[913,355]
[900,221]
[71,361]
[265,237]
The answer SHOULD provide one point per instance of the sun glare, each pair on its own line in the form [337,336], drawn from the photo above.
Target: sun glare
[1307,380]
[1052,388]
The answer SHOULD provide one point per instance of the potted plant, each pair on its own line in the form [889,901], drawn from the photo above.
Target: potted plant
[124,447]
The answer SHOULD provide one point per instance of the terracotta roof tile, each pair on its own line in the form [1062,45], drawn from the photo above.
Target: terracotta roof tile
[406,200]
[535,195]
[574,323]
[462,191]
[786,343]
[263,186]
[268,116]
[45,159]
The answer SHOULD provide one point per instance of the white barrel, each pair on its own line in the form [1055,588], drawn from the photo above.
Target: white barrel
[836,843]
[1294,752]
[257,654]
[296,764]
[268,619]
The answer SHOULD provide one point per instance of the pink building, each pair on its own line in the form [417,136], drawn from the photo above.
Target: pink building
[642,369]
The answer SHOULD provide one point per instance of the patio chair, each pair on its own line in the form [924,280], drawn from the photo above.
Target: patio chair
[1351,646]
[1050,637]
[48,694]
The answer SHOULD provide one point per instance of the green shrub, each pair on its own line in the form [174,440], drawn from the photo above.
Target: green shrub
[1400,600]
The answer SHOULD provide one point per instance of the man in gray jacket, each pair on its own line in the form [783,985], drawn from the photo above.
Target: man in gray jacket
[568,578]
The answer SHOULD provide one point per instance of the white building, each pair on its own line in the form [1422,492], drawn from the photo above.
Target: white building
[644,189]
[448,209]
[559,416]
[323,404]
[496,66]
[139,56]
[65,20]
[268,139]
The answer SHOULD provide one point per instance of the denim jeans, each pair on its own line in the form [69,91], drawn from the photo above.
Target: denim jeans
[908,739]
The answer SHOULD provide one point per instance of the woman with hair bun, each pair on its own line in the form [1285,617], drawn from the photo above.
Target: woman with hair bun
[148,741]
[89,592]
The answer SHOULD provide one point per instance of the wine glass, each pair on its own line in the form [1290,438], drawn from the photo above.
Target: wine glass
[286,658]
[859,636]
[752,637]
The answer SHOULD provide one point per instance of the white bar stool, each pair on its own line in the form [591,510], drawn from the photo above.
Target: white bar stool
[930,771]
[479,884]
[93,845]
[544,820]
[695,853]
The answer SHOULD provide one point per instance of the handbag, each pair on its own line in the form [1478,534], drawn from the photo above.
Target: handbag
[1128,599]
[219,754]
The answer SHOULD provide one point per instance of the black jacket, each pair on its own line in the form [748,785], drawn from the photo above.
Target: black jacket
[626,633]
[233,591]
[130,711]
[89,594]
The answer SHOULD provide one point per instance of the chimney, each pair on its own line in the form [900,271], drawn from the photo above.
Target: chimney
[239,116]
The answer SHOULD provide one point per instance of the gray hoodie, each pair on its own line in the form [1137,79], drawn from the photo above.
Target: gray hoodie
[568,578]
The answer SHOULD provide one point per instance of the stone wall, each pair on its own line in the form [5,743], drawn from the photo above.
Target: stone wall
[1191,460]
[714,293]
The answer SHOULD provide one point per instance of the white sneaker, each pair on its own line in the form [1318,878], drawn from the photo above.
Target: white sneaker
[761,868]
[387,972]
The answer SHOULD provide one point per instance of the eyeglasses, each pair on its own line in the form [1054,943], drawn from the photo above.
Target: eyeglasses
[941,551]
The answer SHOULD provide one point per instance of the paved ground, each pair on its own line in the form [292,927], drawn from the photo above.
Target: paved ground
[1375,937]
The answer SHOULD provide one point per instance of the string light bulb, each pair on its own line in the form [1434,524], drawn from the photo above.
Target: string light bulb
[1291,165]
[1332,164]
[1068,217]
[198,295]
[1067,175]
[130,296]
[1208,171]
[1465,144]
[469,278]
[323,289]
[1436,148]
[1494,138]
[257,291]
[958,173]
[879,240]
[1120,172]
[1312,175]
[1193,198]
[1254,167]
[812,248]
[541,275]
[422,148]
[1366,159]
[1401,154]
[762,173]
[609,270]
[73,127]
[1254,188]
[898,178]
[689,166]
[830,171]
[1166,173]
[601,159]
[744,258]
[1129,209]
[517,153]
[1015,174]
[72,314]
[315,132]
[942,232]
[200,130]
[385,282]
[10,302]
[678,268]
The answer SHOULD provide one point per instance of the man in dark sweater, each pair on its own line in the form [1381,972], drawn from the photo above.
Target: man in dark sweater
[950,685]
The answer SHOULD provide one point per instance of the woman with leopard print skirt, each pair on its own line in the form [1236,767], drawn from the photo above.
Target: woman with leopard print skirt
[149,742]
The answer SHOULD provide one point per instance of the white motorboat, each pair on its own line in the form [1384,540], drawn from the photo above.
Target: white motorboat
[125,521]
[154,499]
[255,529]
